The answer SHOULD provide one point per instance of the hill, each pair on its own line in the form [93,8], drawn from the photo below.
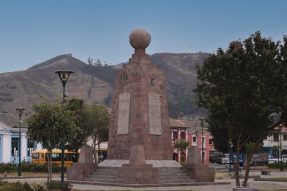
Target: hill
[93,83]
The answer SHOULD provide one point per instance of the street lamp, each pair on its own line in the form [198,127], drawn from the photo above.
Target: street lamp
[64,76]
[280,147]
[19,112]
[202,153]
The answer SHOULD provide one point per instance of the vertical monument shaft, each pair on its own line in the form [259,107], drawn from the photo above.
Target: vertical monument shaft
[139,106]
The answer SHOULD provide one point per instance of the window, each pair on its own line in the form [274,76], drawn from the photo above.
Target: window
[203,155]
[275,137]
[30,147]
[210,141]
[174,135]
[203,142]
[194,141]
[14,147]
[285,137]
[152,82]
[182,135]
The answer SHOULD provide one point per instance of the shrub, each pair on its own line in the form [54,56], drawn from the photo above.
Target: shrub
[27,167]
[277,165]
[57,185]
[16,187]
[37,187]
[8,167]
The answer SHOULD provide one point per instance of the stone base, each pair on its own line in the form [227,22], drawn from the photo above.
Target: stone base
[142,174]
[79,171]
[201,172]
[154,163]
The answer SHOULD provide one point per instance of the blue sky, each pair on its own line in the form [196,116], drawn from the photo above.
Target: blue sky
[33,31]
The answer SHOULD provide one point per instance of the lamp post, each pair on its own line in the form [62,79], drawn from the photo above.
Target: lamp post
[19,112]
[280,147]
[64,76]
[202,150]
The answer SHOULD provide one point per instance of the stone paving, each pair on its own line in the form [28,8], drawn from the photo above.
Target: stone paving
[226,187]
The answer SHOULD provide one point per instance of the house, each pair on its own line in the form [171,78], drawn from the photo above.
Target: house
[9,144]
[189,131]
[278,139]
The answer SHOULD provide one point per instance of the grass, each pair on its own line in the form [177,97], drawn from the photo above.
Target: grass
[273,179]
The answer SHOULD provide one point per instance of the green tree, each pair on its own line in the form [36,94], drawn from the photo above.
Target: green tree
[97,118]
[83,131]
[235,86]
[51,124]
[280,83]
[181,144]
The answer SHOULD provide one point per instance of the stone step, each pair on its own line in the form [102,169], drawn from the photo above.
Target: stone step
[188,180]
[106,170]
[167,176]
[102,176]
[174,177]
[101,173]
[171,170]
[101,180]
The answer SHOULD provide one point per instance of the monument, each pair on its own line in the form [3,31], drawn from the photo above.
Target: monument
[139,108]
[139,134]
[139,145]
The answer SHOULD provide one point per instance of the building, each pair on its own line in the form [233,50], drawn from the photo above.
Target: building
[189,131]
[9,144]
[277,139]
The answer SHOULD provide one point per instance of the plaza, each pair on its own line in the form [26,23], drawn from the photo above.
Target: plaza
[225,183]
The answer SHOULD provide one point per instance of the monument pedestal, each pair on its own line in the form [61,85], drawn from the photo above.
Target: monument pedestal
[199,172]
[138,174]
[85,166]
[80,171]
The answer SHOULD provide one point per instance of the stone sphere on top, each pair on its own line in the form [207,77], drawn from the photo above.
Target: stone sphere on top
[139,39]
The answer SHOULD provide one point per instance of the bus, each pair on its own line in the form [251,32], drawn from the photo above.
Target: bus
[41,157]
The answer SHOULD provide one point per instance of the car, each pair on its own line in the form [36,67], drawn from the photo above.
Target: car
[272,160]
[225,159]
[215,157]
[284,158]
[230,158]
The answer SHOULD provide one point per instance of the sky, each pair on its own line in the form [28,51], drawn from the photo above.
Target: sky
[33,31]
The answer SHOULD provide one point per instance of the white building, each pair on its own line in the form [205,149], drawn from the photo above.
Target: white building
[277,139]
[9,144]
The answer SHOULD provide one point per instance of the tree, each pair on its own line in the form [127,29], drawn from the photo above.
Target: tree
[83,131]
[236,87]
[97,117]
[280,83]
[51,124]
[181,145]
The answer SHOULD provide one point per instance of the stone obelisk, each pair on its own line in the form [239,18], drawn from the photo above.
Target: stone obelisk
[139,119]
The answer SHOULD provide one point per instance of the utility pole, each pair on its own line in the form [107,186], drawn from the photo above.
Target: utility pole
[20,112]
[202,150]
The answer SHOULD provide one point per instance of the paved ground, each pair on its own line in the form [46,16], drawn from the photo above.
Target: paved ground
[222,178]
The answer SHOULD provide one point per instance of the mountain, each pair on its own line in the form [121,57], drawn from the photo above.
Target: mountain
[93,83]
[180,73]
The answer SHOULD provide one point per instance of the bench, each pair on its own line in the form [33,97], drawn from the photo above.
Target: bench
[265,172]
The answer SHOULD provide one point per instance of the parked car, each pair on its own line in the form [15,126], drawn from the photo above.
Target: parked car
[225,159]
[215,157]
[273,160]
[260,159]
[284,158]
